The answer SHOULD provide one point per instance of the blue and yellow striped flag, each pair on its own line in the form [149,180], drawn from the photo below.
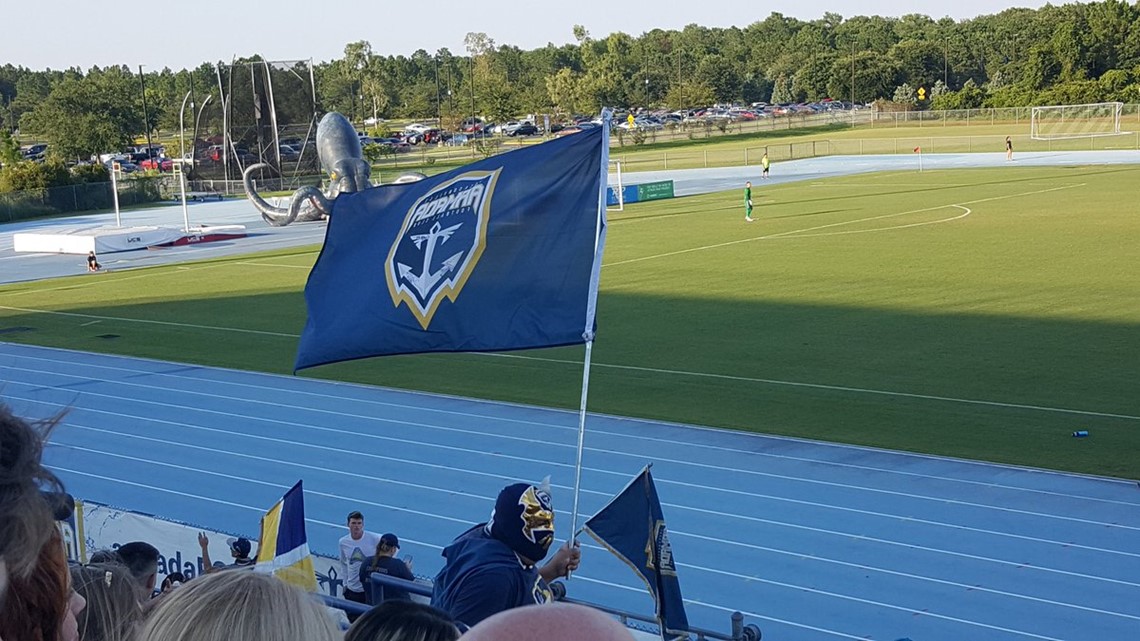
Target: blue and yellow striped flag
[284,548]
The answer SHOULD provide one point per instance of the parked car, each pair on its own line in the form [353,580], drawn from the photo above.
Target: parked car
[159,164]
[399,145]
[34,152]
[125,167]
[434,136]
[415,128]
[471,125]
[288,153]
[524,129]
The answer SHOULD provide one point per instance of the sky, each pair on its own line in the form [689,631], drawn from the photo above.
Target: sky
[63,34]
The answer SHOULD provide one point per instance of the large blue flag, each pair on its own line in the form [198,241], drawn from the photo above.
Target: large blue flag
[500,254]
[633,528]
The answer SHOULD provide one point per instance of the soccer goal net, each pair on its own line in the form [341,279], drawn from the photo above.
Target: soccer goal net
[1075,121]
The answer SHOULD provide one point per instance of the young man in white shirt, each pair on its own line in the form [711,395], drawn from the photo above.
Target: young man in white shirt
[355,547]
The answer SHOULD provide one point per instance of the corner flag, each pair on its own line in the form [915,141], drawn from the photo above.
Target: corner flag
[284,548]
[500,254]
[633,528]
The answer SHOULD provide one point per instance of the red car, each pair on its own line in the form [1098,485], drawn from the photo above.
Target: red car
[160,164]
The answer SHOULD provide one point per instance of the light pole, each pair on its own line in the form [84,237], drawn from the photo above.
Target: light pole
[146,116]
[853,74]
[438,108]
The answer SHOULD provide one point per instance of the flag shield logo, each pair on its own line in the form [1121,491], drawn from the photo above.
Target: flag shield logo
[442,238]
[659,554]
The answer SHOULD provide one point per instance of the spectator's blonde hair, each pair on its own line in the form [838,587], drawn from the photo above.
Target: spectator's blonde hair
[114,601]
[238,605]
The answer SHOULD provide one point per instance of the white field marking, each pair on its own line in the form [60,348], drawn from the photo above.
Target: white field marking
[465,431]
[483,498]
[199,470]
[253,264]
[469,451]
[839,388]
[913,186]
[655,370]
[94,322]
[905,575]
[889,606]
[845,535]
[848,222]
[878,229]
[153,271]
[145,321]
[502,419]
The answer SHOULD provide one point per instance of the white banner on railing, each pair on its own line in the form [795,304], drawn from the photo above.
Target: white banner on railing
[100,527]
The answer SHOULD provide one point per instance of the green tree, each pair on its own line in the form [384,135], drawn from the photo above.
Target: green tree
[9,148]
[26,176]
[88,116]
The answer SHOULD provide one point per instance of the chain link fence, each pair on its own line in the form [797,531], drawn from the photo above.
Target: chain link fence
[55,201]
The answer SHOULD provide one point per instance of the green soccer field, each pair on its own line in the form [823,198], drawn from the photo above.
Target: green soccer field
[984,314]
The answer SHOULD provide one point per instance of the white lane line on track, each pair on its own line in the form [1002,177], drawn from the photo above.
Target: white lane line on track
[423,408]
[466,431]
[470,451]
[905,575]
[577,575]
[461,521]
[482,498]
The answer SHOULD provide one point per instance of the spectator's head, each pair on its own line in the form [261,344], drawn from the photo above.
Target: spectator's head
[142,560]
[238,606]
[113,601]
[104,556]
[388,545]
[40,606]
[25,515]
[239,547]
[172,581]
[401,620]
[524,520]
[356,524]
[549,622]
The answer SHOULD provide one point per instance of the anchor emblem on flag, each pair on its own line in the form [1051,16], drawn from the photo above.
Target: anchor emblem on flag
[443,235]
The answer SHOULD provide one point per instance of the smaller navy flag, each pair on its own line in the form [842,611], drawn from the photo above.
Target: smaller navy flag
[633,527]
[501,254]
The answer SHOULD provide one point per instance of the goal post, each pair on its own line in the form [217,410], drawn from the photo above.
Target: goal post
[615,183]
[1062,122]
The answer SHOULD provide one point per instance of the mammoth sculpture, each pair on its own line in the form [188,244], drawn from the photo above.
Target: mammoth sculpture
[338,148]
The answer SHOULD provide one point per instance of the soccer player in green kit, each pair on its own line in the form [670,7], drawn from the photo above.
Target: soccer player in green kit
[748,201]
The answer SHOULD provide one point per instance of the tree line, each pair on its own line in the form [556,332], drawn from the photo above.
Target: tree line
[1068,54]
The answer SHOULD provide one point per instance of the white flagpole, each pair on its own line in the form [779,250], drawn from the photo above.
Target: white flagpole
[591,310]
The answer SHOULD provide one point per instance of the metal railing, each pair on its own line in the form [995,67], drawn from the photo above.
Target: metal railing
[740,631]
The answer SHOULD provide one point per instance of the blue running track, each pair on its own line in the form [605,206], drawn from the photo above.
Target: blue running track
[810,540]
